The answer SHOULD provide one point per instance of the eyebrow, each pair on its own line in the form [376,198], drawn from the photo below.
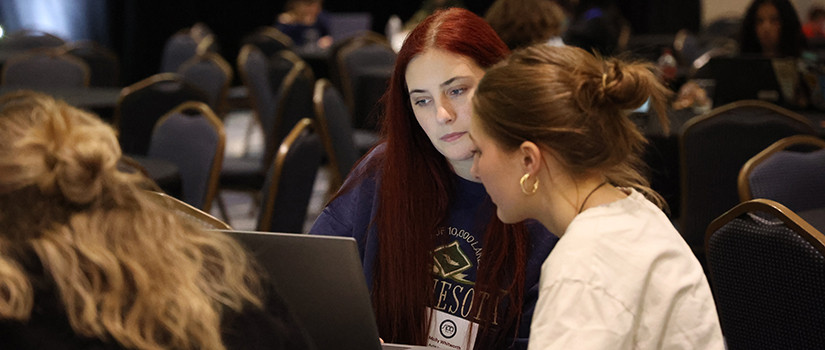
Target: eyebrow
[445,83]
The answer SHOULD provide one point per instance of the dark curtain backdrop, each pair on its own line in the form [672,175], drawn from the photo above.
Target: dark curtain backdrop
[137,29]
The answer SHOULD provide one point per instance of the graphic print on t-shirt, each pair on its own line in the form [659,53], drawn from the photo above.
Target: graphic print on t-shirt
[450,261]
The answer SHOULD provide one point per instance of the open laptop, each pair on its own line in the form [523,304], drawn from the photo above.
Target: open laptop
[321,280]
[751,78]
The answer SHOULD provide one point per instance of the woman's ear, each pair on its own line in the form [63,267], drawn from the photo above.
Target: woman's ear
[530,157]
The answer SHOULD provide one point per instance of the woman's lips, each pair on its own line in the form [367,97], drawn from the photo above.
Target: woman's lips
[452,136]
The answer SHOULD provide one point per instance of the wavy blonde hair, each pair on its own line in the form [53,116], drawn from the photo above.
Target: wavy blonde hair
[577,104]
[125,268]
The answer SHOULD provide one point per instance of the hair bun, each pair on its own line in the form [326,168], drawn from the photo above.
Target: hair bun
[625,85]
[77,157]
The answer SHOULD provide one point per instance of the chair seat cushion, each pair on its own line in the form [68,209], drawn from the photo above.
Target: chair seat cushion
[242,172]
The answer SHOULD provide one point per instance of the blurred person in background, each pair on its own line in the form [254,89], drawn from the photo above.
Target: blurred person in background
[305,22]
[521,23]
[771,28]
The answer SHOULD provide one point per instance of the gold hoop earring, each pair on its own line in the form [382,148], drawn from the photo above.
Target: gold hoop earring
[535,185]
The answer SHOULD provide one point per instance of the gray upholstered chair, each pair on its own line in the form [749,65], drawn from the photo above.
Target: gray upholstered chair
[791,171]
[713,148]
[192,137]
[212,74]
[45,68]
[290,179]
[268,39]
[104,65]
[25,39]
[182,46]
[357,61]
[141,105]
[767,272]
[334,124]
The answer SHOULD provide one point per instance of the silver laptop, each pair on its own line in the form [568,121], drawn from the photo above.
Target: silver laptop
[322,282]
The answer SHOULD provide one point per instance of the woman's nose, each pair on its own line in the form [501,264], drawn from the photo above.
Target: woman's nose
[445,113]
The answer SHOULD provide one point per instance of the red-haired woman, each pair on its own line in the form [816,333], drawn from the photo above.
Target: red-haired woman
[443,269]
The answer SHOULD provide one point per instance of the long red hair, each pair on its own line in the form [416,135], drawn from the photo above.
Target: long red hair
[415,190]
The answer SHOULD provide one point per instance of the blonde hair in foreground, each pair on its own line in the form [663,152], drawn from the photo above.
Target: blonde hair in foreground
[126,269]
[574,104]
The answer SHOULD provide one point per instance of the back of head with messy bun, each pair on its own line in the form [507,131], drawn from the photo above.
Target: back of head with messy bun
[126,269]
[62,151]
[574,103]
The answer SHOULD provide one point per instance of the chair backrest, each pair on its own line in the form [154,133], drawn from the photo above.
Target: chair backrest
[289,181]
[280,64]
[104,65]
[212,74]
[357,55]
[182,46]
[141,105]
[294,102]
[269,40]
[335,127]
[187,212]
[192,137]
[25,39]
[47,67]
[767,271]
[713,147]
[791,171]
[253,67]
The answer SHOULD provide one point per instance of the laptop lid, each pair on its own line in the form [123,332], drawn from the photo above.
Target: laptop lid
[321,280]
[751,78]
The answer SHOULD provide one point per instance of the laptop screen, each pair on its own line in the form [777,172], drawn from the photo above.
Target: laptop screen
[321,280]
[751,78]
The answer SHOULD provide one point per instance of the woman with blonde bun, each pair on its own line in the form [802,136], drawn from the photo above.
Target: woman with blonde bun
[554,143]
[88,260]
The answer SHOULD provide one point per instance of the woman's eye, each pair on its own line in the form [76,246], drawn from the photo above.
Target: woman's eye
[456,91]
[421,102]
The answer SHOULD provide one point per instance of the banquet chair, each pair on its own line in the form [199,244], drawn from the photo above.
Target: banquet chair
[268,39]
[254,70]
[357,57]
[141,104]
[280,64]
[192,137]
[45,68]
[182,46]
[767,272]
[791,171]
[212,74]
[294,102]
[247,172]
[335,128]
[25,39]
[712,149]
[187,212]
[289,181]
[104,65]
